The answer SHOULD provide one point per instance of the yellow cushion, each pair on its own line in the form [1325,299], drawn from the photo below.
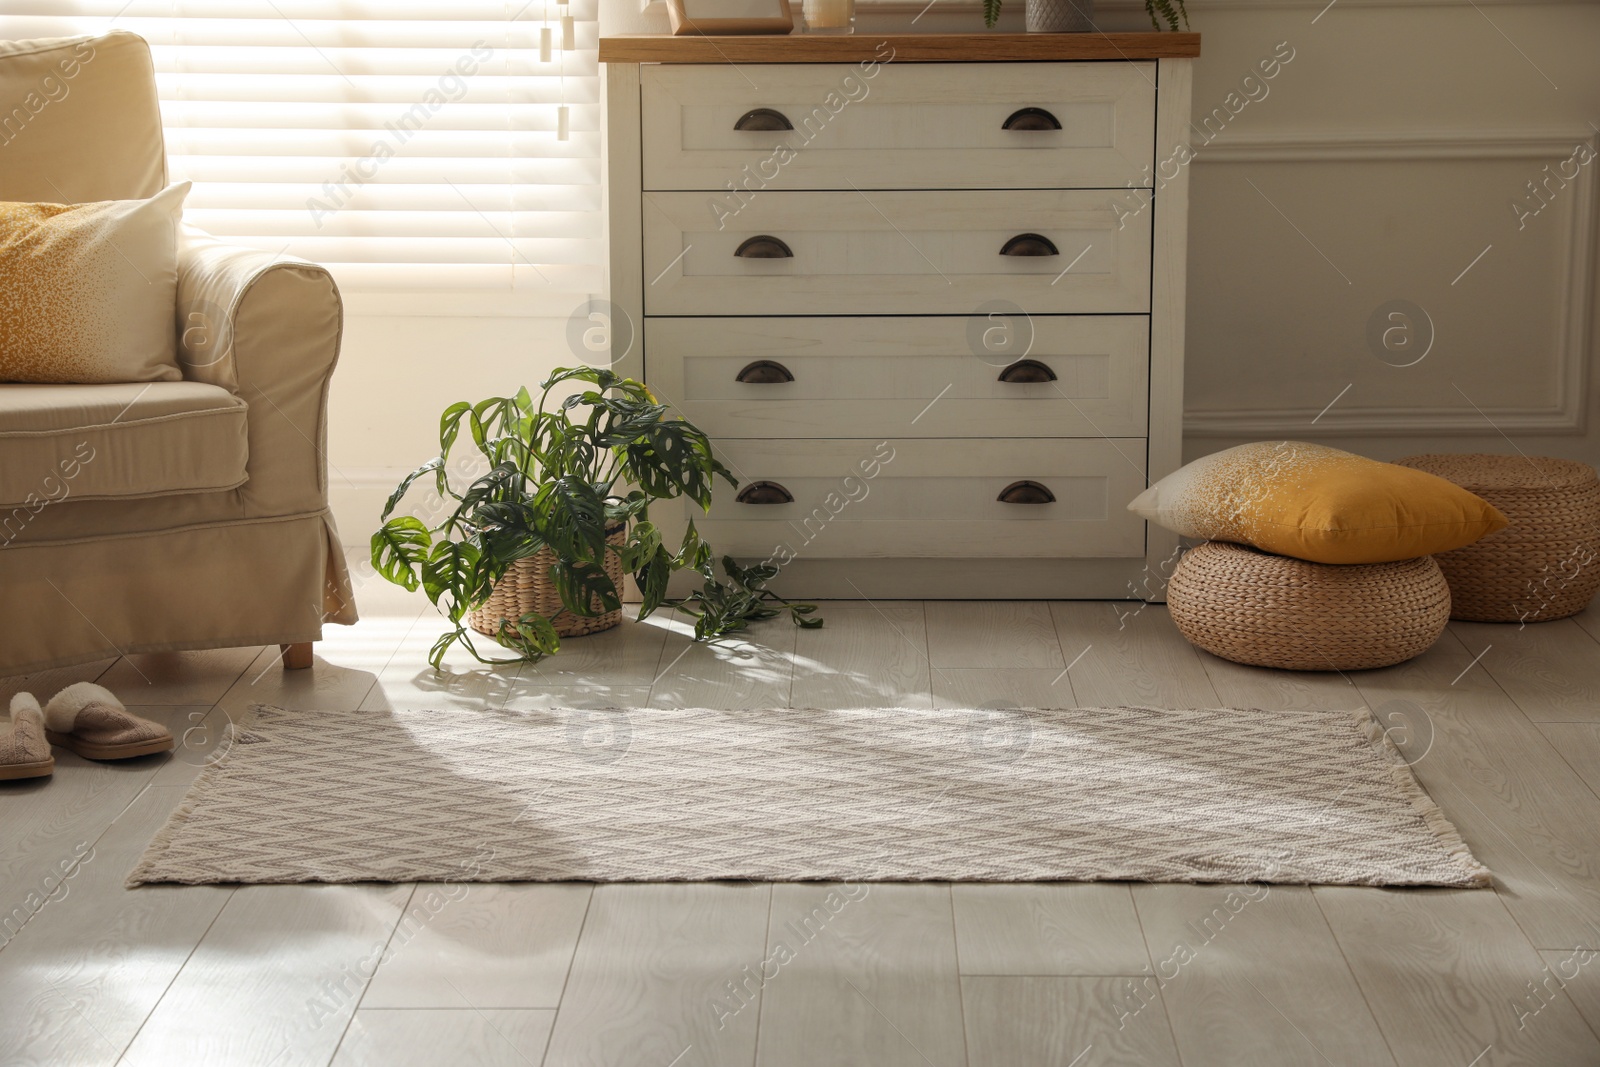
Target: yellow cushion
[1317,503]
[88,291]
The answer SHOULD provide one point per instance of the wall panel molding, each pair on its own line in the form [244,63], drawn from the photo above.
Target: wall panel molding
[914,7]
[1534,143]
[1575,326]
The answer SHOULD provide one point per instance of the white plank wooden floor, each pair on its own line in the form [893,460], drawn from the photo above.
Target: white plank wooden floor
[678,976]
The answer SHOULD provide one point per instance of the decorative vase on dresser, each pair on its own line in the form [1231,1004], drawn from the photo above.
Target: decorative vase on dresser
[1059,16]
[925,292]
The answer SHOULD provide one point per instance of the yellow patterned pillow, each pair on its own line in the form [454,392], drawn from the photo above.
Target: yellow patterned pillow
[1317,503]
[88,291]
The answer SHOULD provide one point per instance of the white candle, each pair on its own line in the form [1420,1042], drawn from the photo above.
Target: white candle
[831,15]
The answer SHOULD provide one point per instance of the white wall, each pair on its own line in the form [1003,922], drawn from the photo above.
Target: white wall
[1391,150]
[1381,160]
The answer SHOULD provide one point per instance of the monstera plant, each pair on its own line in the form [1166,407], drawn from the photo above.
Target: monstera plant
[568,479]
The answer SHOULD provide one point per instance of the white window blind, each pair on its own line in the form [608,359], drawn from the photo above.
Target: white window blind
[405,144]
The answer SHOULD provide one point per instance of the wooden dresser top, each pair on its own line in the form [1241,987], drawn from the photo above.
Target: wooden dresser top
[904,47]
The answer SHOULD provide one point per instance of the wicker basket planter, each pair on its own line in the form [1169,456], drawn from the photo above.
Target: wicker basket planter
[526,586]
[1271,611]
[1546,564]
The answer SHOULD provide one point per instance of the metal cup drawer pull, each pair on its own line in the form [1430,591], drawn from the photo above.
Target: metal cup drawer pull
[1026,492]
[765,246]
[765,119]
[764,493]
[1030,118]
[1027,371]
[765,372]
[1030,244]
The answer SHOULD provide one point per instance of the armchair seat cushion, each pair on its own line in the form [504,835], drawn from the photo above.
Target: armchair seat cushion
[102,442]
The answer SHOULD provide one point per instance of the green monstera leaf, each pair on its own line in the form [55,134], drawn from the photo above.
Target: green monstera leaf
[399,549]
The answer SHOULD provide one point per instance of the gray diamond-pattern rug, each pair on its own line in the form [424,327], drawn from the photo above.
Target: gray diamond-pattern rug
[1140,794]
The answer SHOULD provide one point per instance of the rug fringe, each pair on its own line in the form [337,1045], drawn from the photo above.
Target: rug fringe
[180,815]
[1405,779]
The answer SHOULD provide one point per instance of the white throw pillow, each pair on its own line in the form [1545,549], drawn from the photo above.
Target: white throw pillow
[88,291]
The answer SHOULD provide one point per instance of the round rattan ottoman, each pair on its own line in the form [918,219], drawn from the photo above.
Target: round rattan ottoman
[1544,565]
[1272,611]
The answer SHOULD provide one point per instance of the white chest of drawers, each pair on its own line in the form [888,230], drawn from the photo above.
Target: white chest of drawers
[925,293]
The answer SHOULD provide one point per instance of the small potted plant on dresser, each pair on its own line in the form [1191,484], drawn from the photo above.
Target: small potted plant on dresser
[1077,16]
[535,549]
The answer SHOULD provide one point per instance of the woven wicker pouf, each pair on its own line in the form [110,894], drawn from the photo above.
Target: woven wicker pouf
[1546,564]
[1272,611]
[526,586]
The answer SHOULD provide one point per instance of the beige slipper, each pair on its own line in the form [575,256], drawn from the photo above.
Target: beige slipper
[24,749]
[91,721]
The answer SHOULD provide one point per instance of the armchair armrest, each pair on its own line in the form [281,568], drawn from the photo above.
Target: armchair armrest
[266,328]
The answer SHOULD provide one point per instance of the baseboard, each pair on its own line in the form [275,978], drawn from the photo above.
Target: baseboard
[960,579]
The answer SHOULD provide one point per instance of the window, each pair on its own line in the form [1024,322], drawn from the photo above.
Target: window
[407,144]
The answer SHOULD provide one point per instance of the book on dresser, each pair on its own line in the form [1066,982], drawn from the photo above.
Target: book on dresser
[924,291]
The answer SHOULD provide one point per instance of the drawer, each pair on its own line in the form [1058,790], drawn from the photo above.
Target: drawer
[923,126]
[928,498]
[950,376]
[888,253]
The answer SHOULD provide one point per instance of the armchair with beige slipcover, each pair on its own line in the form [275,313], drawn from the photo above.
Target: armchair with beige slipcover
[162,515]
